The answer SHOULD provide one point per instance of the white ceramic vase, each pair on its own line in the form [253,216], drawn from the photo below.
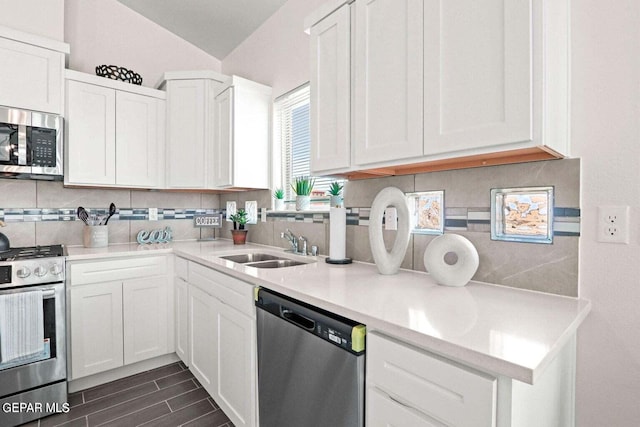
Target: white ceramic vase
[389,262]
[451,260]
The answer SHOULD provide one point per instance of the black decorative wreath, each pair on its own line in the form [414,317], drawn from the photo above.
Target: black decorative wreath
[118,73]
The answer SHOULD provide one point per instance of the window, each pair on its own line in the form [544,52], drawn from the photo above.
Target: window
[293,140]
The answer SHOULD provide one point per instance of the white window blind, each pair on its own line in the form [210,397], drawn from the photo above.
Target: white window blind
[292,127]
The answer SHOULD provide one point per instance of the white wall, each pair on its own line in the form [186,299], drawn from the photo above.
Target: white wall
[41,17]
[606,135]
[277,53]
[107,32]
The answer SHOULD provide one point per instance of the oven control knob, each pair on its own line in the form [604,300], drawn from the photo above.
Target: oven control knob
[55,269]
[41,271]
[23,272]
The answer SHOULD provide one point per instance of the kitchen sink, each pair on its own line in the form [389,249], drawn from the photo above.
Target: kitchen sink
[276,263]
[252,257]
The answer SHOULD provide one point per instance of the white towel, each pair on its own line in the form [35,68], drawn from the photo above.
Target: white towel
[21,325]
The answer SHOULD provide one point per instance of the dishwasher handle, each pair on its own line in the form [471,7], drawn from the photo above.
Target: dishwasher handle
[298,319]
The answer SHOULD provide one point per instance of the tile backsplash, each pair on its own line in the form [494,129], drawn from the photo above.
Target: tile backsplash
[40,212]
[547,268]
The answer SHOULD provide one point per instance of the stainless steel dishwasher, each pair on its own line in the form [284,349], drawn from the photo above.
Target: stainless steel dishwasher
[310,365]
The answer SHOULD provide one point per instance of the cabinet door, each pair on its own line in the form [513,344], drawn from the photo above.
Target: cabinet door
[96,328]
[382,411]
[145,318]
[223,155]
[30,77]
[186,144]
[137,142]
[90,134]
[236,365]
[388,80]
[330,92]
[477,74]
[440,389]
[182,320]
[202,338]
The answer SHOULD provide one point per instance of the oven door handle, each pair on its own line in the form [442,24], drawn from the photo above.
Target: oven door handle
[48,293]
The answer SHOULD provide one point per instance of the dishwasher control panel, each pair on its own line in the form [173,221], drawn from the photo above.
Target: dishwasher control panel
[345,333]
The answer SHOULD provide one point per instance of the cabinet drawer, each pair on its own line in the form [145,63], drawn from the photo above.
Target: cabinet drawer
[81,273]
[382,411]
[227,289]
[441,390]
[182,269]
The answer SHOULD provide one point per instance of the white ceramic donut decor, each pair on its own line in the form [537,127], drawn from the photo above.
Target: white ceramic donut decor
[451,260]
[389,262]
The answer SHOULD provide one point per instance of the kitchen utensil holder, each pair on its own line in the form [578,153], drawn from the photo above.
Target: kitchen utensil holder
[95,236]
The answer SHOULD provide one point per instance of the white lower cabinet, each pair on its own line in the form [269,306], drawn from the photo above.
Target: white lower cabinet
[439,392]
[408,386]
[121,321]
[145,326]
[181,296]
[202,339]
[96,328]
[221,345]
[236,359]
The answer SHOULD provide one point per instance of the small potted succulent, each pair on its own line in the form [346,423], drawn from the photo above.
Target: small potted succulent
[239,233]
[278,196]
[335,196]
[302,186]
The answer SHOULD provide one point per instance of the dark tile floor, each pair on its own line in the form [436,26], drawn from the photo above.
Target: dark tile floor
[164,397]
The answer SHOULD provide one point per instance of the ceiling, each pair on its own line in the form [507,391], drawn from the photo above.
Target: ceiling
[215,26]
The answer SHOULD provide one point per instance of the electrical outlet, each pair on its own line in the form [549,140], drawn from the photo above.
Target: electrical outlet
[153,214]
[391,218]
[613,224]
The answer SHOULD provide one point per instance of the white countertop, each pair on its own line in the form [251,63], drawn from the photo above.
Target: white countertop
[497,329]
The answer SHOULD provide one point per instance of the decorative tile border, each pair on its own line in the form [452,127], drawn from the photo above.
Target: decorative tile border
[124,214]
[566,221]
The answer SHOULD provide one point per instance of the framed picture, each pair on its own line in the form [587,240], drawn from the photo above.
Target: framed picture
[522,214]
[427,212]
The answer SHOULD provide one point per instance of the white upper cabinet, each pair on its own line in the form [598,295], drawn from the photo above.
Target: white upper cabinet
[331,92]
[138,152]
[114,133]
[388,80]
[477,74]
[189,137]
[31,71]
[438,84]
[241,149]
[90,133]
[217,131]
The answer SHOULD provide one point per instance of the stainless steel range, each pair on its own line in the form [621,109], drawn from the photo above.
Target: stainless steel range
[33,359]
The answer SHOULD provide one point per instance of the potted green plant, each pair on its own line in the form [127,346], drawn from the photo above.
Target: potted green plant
[335,196]
[278,196]
[302,186]
[239,233]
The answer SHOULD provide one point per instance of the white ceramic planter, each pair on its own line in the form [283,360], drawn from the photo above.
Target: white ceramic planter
[278,204]
[335,201]
[303,203]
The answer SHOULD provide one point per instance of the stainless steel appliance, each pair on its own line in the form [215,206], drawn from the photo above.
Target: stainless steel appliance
[35,386]
[310,365]
[31,144]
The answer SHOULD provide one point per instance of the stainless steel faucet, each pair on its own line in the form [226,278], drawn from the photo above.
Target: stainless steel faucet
[304,245]
[287,234]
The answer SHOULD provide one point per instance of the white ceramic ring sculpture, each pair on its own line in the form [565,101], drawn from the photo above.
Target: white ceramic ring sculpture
[451,260]
[389,262]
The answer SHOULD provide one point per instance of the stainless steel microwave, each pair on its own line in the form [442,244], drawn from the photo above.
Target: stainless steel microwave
[31,144]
